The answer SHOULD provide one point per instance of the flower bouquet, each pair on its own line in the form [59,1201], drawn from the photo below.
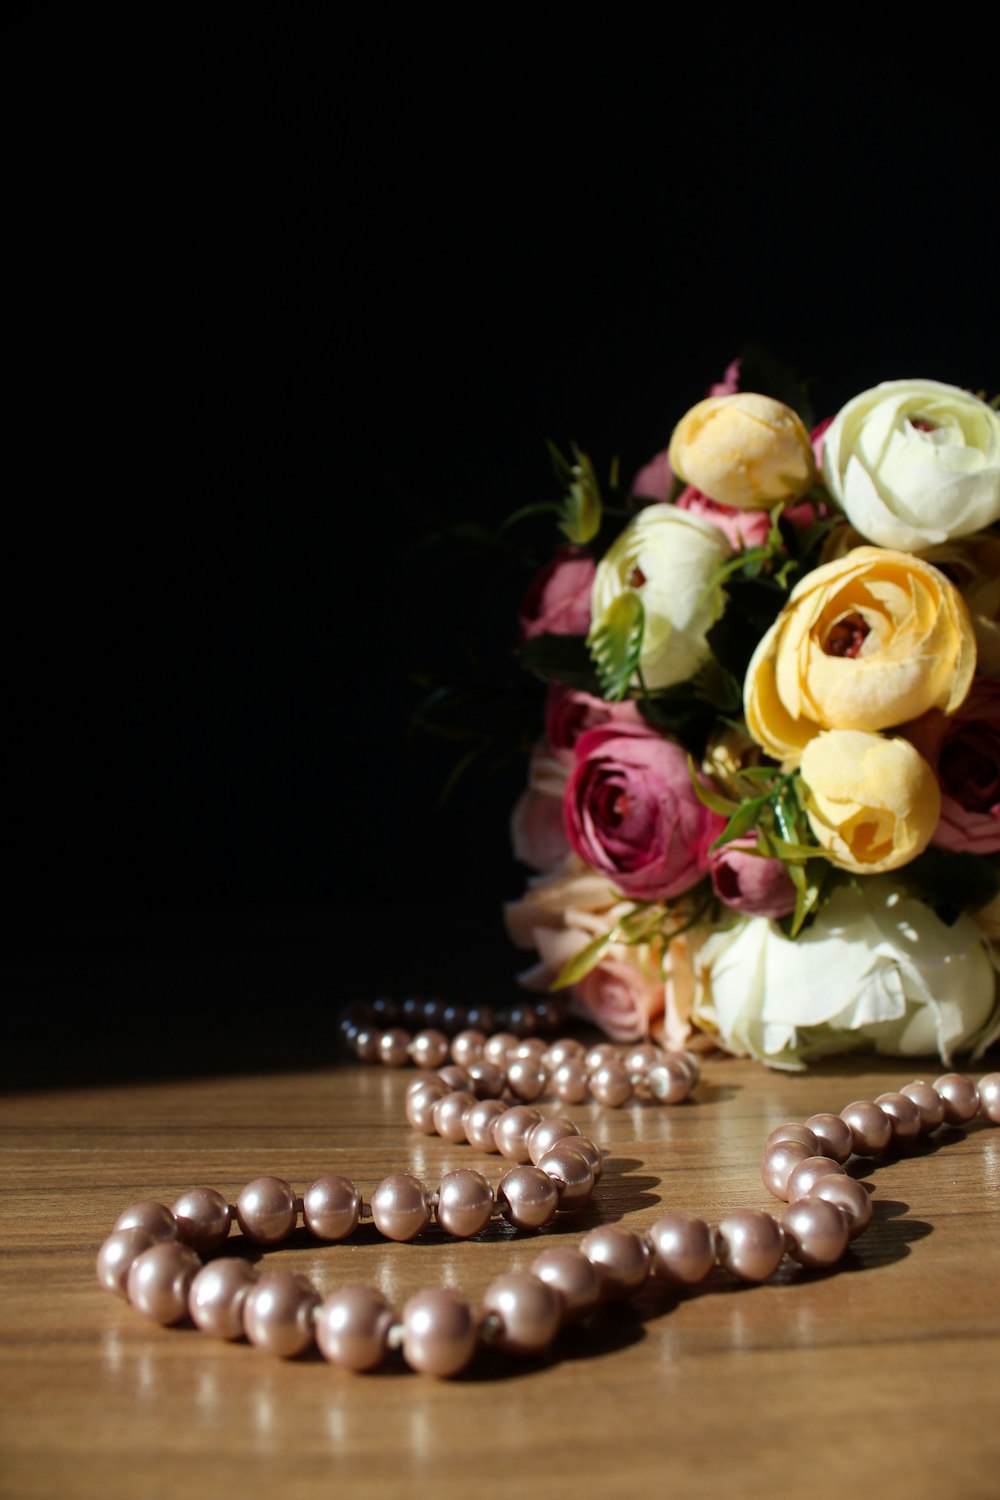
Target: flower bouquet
[765,810]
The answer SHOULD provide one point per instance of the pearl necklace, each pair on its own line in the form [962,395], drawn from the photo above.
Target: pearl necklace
[156,1256]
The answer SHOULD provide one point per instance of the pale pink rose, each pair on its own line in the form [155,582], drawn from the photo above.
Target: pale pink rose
[622,997]
[655,480]
[964,750]
[558,600]
[742,528]
[570,713]
[730,381]
[536,826]
[750,882]
[632,815]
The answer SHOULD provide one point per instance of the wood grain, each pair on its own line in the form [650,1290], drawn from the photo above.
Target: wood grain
[882,1376]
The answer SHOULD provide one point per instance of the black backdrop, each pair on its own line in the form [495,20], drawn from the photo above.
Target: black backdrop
[291,299]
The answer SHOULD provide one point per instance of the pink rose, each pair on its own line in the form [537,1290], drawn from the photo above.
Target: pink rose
[632,815]
[622,996]
[655,480]
[536,825]
[964,749]
[816,438]
[750,882]
[558,600]
[730,381]
[743,528]
[570,713]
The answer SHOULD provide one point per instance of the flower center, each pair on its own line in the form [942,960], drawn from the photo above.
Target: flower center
[847,636]
[922,424]
[636,578]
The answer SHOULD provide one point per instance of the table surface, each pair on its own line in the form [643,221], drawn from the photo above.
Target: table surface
[881,1376]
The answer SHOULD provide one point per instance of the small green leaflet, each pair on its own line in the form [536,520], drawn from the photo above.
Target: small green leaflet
[615,643]
[581,507]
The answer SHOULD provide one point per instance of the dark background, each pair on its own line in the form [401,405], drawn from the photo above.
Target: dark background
[293,297]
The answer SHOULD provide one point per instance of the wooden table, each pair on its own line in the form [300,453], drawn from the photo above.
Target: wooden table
[881,1378]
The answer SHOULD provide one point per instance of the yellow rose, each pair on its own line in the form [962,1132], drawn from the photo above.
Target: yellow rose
[869,641]
[872,803]
[744,450]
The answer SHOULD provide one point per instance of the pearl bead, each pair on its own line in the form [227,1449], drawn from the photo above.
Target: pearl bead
[597,1056]
[849,1195]
[526,1079]
[553,1057]
[792,1131]
[816,1232]
[497,1048]
[155,1218]
[158,1280]
[278,1313]
[420,1106]
[352,1327]
[833,1135]
[572,1175]
[467,1047]
[570,1081]
[779,1162]
[479,1122]
[217,1294]
[989,1097]
[439,1332]
[806,1174]
[529,1312]
[669,1081]
[871,1130]
[429,1049]
[960,1096]
[486,1081]
[331,1207]
[571,1274]
[394,1048]
[683,1248]
[610,1085]
[904,1114]
[266,1210]
[640,1058]
[527,1197]
[465,1203]
[399,1207]
[454,1078]
[619,1257]
[115,1257]
[750,1244]
[448,1116]
[203,1219]
[587,1150]
[511,1132]
[547,1133]
[928,1102]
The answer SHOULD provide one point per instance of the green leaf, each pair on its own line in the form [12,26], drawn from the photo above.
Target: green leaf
[708,796]
[742,820]
[615,642]
[580,965]
[580,512]
[951,882]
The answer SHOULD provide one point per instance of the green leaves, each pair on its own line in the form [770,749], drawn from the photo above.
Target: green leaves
[951,882]
[615,642]
[581,507]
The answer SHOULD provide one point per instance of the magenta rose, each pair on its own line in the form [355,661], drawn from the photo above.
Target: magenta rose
[742,528]
[558,600]
[964,749]
[750,882]
[632,815]
[570,713]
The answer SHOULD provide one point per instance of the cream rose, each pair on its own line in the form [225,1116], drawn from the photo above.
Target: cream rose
[873,803]
[915,463]
[670,558]
[866,642]
[744,450]
[875,970]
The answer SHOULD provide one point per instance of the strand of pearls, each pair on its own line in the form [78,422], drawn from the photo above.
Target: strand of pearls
[154,1255]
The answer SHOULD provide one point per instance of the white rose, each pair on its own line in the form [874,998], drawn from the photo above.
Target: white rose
[875,970]
[669,557]
[915,463]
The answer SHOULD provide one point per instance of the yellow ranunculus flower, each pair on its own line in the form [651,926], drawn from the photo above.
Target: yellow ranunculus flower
[744,450]
[873,803]
[868,641]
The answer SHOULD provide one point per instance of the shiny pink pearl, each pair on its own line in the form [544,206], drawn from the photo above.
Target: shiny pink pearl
[497,1048]
[366,1044]
[871,1130]
[779,1162]
[692,1062]
[570,1081]
[816,1232]
[567,1047]
[526,1079]
[527,1197]
[479,1121]
[750,1243]
[572,1175]
[548,1133]
[454,1078]
[961,1098]
[203,1219]
[159,1279]
[278,1313]
[669,1080]
[597,1055]
[791,1130]
[485,1080]
[529,1312]
[511,1132]
[640,1058]
[467,1047]
[834,1136]
[420,1106]
[331,1208]
[439,1332]
[266,1210]
[682,1248]
[429,1049]
[155,1218]
[610,1085]
[571,1274]
[419,1079]
[400,1208]
[928,1102]
[115,1257]
[849,1195]
[619,1257]
[394,1048]
[530,1047]
[217,1294]
[586,1148]
[806,1174]
[448,1114]
[352,1327]
[465,1203]
[904,1114]
[989,1097]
